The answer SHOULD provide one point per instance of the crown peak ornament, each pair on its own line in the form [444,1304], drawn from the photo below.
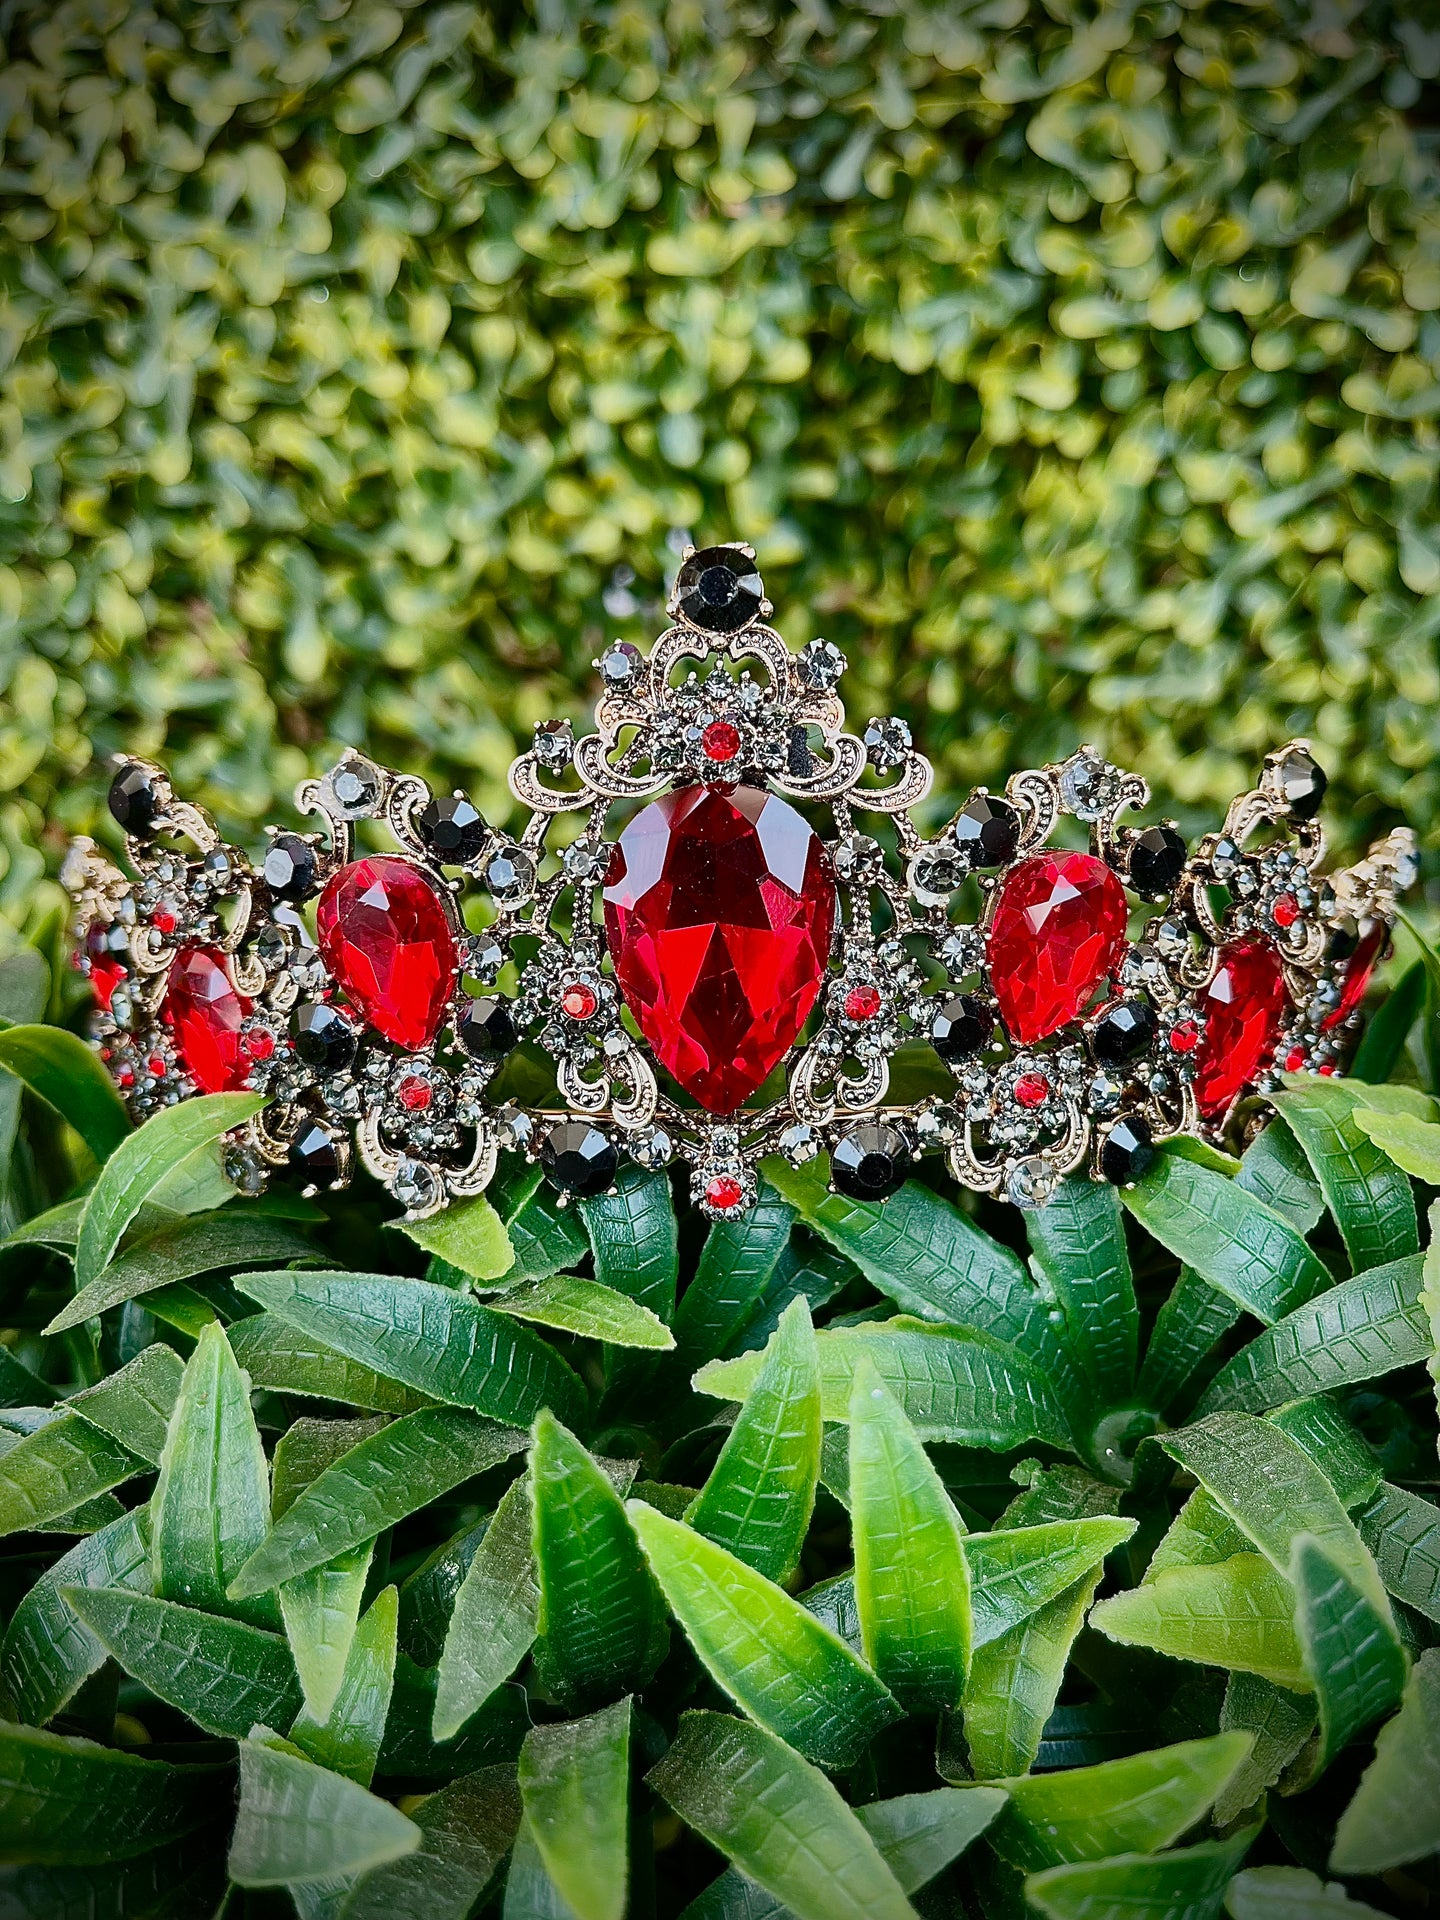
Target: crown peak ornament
[722,960]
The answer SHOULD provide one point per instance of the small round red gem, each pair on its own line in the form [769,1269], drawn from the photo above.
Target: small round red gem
[125,1077]
[156,1064]
[1032,1090]
[1326,1067]
[414,1093]
[1294,1060]
[1185,1037]
[862,1003]
[723,1191]
[163,920]
[1286,910]
[259,1044]
[721,741]
[578,1001]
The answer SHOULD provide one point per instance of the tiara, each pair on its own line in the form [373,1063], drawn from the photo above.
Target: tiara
[713,977]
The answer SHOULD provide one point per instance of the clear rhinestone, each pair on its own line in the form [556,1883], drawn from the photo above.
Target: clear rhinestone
[414,1184]
[819,664]
[581,859]
[554,744]
[1031,1181]
[857,858]
[510,875]
[887,742]
[356,787]
[798,1144]
[514,1129]
[654,1149]
[1088,787]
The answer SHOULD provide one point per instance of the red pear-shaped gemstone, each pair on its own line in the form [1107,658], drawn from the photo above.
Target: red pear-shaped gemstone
[1057,931]
[718,912]
[1352,987]
[205,1012]
[1244,1007]
[387,939]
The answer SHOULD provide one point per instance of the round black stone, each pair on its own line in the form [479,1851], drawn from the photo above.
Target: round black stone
[988,830]
[870,1162]
[323,1038]
[719,590]
[315,1153]
[1128,1150]
[137,798]
[291,868]
[1122,1031]
[578,1158]
[1301,783]
[1342,943]
[453,832]
[486,1029]
[962,1026]
[1157,860]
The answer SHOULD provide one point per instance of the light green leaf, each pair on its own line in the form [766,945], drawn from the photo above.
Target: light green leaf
[1413,1144]
[142,1162]
[1078,1242]
[1239,1614]
[466,1830]
[1373,1204]
[1281,1723]
[495,1615]
[56,1227]
[575,1789]
[912,1585]
[1403,1533]
[63,1071]
[1290,1893]
[587,1308]
[220,1673]
[1352,1651]
[1394,1817]
[284,1359]
[760,1494]
[70,1803]
[438,1342]
[300,1822]
[530,1893]
[48,1652]
[320,1608]
[53,1470]
[779,1820]
[776,1660]
[1187,1884]
[181,1251]
[735,1263]
[1017,1570]
[634,1238]
[1015,1679]
[134,1406]
[467,1234]
[347,1739]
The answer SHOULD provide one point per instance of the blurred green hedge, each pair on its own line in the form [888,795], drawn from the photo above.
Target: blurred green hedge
[1078,369]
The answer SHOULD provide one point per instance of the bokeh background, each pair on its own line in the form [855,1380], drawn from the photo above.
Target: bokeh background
[1076,368]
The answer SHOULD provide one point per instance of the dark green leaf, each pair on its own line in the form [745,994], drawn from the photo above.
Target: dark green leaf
[69,1075]
[545,1237]
[1383,1041]
[1317,1425]
[1014,1682]
[1352,1651]
[1394,1817]
[285,1359]
[181,1251]
[54,1469]
[492,1735]
[735,1264]
[1078,1241]
[1370,1198]
[48,1653]
[634,1239]
[1281,1723]
[70,1803]
[466,1830]
[1403,1533]
[495,1615]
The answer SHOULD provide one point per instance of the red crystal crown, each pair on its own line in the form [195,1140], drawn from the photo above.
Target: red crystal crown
[713,976]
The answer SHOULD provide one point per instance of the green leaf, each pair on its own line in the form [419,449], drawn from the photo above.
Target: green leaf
[466,1829]
[71,1803]
[760,1494]
[211,1507]
[495,1616]
[1281,1723]
[575,1789]
[776,1660]
[1078,1242]
[735,1264]
[1317,1425]
[320,1608]
[56,1227]
[1394,1817]
[1402,1531]
[546,1238]
[530,1893]
[181,1251]
[428,1338]
[394,1472]
[1290,1893]
[1242,1247]
[1187,1884]
[48,1653]
[185,1876]
[1015,1679]
[779,1820]
[587,1308]
[1412,1144]
[1352,1651]
[1383,1042]
[143,1161]
[347,1738]
[1364,1328]
[634,1238]
[301,1822]
[912,1583]
[493,1734]
[468,1234]
[284,1359]
[807,1270]
[51,1471]
[953,1382]
[1239,1614]
[220,1673]
[134,1406]
[601,1629]
[1372,1202]
[1018,1570]
[69,1076]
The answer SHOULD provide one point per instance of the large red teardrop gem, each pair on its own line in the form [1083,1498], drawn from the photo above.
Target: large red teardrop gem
[718,913]
[1057,931]
[1244,1007]
[385,936]
[206,1013]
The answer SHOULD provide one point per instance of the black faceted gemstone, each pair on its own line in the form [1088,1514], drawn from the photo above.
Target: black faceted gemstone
[1302,783]
[578,1158]
[315,1153]
[486,1028]
[719,590]
[870,1162]
[323,1038]
[291,868]
[988,830]
[962,1026]
[1122,1031]
[451,829]
[136,798]
[1157,860]
[1128,1150]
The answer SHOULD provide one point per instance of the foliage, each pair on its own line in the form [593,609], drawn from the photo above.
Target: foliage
[1012,1582]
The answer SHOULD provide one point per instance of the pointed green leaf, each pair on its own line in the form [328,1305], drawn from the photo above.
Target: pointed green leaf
[1014,1682]
[180,1251]
[1017,1570]
[492,1735]
[394,1472]
[585,1307]
[761,1491]
[912,1583]
[1281,1723]
[1371,1200]
[467,1234]
[347,1739]
[51,1471]
[1403,1533]
[778,1819]
[134,1406]
[634,1238]
[1239,1614]
[545,1237]
[807,1270]
[1290,1893]
[735,1263]
[1317,1425]
[575,1789]
[19,1387]
[57,1227]
[776,1660]
[1187,1884]
[1383,1041]
[438,1342]
[1352,1651]
[320,1608]
[211,1507]
[1411,1143]
[220,1673]
[495,1615]
[466,1830]
[284,1359]
[530,1893]
[1394,1817]
[143,1161]
[1078,1242]
[70,1802]
[48,1652]
[301,1822]
[601,1629]
[63,1071]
